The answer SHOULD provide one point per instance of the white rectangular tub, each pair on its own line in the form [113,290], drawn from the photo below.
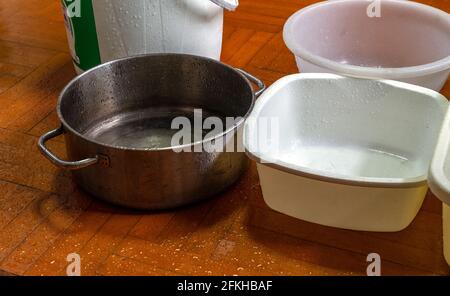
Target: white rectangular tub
[345,152]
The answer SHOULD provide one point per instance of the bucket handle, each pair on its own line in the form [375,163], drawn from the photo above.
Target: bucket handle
[257,81]
[67,165]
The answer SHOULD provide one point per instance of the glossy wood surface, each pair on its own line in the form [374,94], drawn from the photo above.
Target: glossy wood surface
[44,217]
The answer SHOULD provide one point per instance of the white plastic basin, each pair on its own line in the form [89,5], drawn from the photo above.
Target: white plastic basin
[440,180]
[447,233]
[409,42]
[349,153]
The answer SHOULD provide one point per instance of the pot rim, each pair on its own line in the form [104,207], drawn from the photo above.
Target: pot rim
[420,70]
[235,126]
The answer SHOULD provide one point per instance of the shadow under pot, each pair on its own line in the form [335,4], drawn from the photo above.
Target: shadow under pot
[155,131]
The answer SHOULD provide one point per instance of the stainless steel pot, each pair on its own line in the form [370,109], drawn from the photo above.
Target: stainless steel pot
[117,118]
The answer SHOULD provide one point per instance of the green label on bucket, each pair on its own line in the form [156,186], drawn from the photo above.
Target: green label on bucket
[81,33]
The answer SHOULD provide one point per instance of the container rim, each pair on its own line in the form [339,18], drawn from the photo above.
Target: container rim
[360,71]
[325,176]
[232,129]
[438,177]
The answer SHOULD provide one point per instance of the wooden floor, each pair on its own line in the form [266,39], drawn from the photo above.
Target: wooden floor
[44,217]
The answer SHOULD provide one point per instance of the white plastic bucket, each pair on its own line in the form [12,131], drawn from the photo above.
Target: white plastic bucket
[409,42]
[103,30]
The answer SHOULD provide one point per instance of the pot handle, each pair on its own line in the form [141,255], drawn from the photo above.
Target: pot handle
[68,165]
[257,81]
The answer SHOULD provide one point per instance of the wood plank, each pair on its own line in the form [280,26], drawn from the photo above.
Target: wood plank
[26,222]
[54,260]
[118,266]
[33,90]
[27,56]
[44,236]
[354,241]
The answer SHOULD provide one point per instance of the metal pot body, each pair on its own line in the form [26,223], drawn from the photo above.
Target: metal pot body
[153,179]
[111,114]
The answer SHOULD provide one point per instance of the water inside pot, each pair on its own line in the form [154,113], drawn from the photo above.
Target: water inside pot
[151,128]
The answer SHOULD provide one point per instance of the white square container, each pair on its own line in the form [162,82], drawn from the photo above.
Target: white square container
[345,152]
[439,180]
[446,221]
